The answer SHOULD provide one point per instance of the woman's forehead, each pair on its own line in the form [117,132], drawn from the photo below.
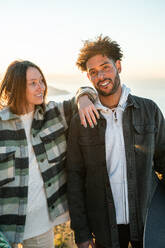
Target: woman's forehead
[33,73]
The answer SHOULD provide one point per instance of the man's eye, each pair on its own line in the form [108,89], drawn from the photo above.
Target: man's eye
[106,67]
[93,73]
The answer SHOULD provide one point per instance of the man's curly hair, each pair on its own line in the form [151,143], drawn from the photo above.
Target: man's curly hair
[102,45]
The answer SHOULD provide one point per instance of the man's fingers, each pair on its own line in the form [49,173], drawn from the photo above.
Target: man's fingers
[88,117]
[91,116]
[95,111]
[82,118]
[88,112]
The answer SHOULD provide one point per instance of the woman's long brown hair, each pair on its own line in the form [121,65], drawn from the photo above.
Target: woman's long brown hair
[13,86]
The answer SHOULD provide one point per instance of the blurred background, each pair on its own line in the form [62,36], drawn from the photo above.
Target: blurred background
[51,32]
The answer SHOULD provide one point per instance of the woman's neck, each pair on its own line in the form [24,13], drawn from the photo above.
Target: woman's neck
[28,109]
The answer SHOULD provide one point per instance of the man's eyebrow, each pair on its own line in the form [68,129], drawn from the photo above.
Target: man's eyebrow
[106,62]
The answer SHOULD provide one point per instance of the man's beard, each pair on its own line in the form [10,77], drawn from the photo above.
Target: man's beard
[114,88]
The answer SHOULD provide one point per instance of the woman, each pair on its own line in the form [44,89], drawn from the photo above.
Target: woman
[32,157]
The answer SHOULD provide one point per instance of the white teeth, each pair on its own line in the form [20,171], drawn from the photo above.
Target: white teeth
[104,84]
[39,95]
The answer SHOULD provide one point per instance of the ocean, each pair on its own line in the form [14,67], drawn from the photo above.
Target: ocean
[152,89]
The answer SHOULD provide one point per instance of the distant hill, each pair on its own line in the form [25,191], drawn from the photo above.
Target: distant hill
[52,91]
[55,92]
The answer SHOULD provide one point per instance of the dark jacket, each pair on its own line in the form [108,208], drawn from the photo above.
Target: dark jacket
[90,197]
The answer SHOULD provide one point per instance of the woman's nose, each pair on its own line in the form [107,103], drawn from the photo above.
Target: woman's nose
[41,86]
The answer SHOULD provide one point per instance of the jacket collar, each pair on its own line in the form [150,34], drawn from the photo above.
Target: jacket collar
[131,101]
[39,112]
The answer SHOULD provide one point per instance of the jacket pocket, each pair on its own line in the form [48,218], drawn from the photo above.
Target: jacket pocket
[144,129]
[93,152]
[54,142]
[144,138]
[7,168]
[89,141]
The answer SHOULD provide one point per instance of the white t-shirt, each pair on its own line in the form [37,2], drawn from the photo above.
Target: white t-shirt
[37,216]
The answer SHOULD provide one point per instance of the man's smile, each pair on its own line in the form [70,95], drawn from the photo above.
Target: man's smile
[104,83]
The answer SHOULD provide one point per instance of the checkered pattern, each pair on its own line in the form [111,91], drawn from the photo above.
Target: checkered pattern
[49,144]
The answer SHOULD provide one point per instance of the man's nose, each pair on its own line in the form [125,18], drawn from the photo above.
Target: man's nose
[100,75]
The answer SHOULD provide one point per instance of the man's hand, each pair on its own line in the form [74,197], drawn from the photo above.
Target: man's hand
[86,244]
[87,111]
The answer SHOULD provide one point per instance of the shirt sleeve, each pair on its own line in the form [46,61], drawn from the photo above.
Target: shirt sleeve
[69,108]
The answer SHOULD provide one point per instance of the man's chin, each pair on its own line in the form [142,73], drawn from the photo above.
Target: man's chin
[104,93]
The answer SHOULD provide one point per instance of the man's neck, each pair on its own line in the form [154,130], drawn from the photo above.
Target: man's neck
[111,101]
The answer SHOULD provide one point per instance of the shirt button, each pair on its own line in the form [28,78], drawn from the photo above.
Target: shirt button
[49,184]
[42,160]
[110,202]
[103,124]
[113,226]
[52,207]
[107,184]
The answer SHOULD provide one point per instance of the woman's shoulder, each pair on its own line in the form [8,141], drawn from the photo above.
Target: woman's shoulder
[53,108]
[6,114]
[51,104]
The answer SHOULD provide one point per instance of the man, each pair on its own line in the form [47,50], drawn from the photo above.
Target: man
[111,167]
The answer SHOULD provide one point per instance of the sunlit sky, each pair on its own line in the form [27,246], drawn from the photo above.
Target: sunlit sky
[50,33]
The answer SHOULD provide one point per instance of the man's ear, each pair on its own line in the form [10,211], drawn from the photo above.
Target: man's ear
[118,65]
[88,76]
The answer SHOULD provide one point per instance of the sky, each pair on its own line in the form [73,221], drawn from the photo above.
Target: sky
[51,32]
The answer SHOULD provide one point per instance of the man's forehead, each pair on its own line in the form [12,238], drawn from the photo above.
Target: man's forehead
[98,60]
